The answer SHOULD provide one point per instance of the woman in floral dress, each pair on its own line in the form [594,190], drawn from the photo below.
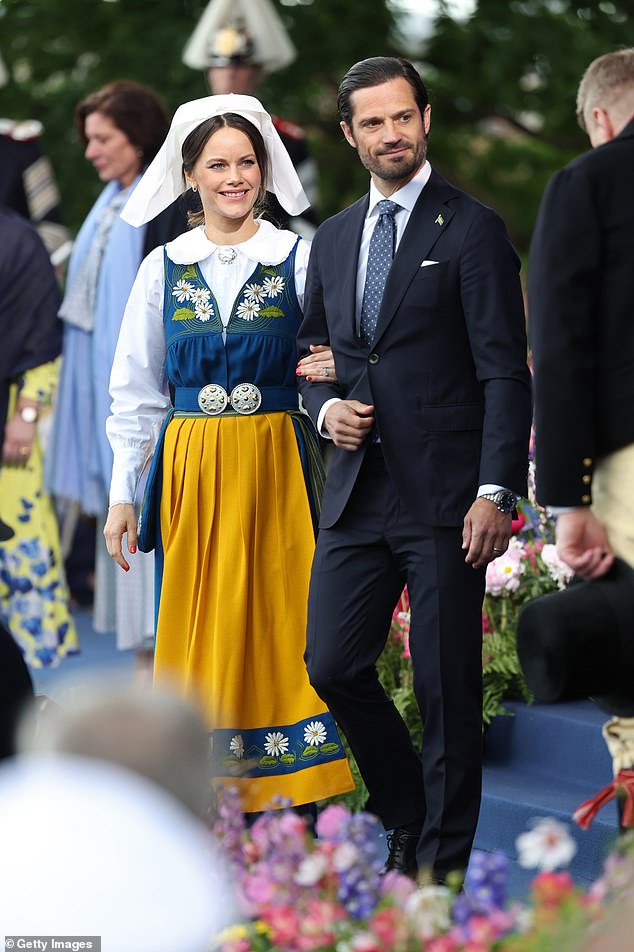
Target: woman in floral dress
[204,379]
[33,592]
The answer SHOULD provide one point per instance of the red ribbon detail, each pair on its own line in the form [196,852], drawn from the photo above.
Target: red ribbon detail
[623,784]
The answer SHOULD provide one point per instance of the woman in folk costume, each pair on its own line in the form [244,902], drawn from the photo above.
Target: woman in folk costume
[122,126]
[204,378]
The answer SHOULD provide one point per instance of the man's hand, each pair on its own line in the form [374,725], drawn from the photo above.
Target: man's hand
[582,543]
[349,423]
[121,519]
[486,533]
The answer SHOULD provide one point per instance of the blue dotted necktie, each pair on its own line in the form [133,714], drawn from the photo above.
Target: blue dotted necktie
[380,254]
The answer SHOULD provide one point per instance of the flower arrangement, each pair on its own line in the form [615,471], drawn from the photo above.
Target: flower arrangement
[300,894]
[530,567]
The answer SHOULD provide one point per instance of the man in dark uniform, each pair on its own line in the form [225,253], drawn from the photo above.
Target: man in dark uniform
[581,302]
[27,182]
[238,43]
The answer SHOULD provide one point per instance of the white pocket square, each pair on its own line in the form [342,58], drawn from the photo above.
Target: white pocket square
[426,264]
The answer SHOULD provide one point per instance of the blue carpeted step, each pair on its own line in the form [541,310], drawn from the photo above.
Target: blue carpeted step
[562,740]
[513,798]
[545,761]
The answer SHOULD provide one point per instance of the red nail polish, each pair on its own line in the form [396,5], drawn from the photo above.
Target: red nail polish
[309,378]
[133,549]
[298,371]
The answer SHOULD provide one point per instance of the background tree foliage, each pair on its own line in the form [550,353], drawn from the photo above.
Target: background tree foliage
[503,82]
[504,87]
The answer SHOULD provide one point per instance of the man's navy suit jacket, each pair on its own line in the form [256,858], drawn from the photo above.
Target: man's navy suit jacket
[447,370]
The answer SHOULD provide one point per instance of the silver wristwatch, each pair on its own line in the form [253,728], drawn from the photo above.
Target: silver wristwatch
[504,499]
[29,414]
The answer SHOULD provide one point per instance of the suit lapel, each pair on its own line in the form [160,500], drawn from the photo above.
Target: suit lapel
[429,218]
[348,243]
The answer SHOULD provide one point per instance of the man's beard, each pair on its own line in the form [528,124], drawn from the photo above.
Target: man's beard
[395,170]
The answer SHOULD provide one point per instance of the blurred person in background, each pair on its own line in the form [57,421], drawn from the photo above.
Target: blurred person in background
[34,600]
[122,126]
[27,181]
[581,329]
[237,43]
[16,690]
[153,732]
[93,849]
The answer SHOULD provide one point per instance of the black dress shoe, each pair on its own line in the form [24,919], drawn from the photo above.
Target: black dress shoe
[402,852]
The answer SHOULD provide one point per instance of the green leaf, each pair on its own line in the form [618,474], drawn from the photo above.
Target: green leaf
[190,272]
[183,314]
[270,311]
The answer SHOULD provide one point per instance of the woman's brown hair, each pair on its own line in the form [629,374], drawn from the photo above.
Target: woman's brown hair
[135,109]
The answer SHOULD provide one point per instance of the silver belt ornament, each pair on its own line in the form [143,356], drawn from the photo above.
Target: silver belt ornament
[245,398]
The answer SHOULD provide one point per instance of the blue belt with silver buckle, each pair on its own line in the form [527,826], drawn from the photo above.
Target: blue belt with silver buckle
[244,399]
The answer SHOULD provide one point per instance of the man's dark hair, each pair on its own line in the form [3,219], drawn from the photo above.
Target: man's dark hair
[375,71]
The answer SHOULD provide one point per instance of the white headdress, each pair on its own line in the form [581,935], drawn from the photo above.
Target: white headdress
[239,31]
[163,182]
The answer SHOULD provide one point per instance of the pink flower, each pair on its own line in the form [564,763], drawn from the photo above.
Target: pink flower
[284,925]
[290,824]
[258,888]
[397,887]
[487,627]
[331,823]
[503,574]
[551,889]
[388,926]
[318,924]
[365,942]
[443,943]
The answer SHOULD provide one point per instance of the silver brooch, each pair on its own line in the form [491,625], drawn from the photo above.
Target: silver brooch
[227,255]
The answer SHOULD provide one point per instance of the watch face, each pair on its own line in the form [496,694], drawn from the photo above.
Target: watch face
[507,501]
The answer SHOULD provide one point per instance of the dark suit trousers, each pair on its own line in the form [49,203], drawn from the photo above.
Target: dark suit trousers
[359,570]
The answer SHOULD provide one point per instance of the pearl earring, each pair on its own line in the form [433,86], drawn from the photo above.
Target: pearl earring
[194,188]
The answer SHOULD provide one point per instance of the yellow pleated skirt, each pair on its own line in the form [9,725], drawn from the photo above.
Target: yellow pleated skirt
[238,543]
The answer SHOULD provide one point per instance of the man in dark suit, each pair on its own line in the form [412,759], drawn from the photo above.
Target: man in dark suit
[430,421]
[581,319]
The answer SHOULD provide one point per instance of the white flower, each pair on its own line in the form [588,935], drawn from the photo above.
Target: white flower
[274,286]
[311,869]
[314,733]
[344,857]
[275,744]
[199,295]
[204,311]
[428,909]
[547,846]
[182,291]
[254,292]
[236,746]
[559,570]
[248,309]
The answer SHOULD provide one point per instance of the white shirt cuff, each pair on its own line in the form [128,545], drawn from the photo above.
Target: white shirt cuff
[494,488]
[321,429]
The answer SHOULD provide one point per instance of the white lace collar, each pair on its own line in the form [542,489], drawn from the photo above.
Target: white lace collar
[269,245]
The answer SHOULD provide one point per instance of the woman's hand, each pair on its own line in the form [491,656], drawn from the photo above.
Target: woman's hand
[18,440]
[318,366]
[121,519]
